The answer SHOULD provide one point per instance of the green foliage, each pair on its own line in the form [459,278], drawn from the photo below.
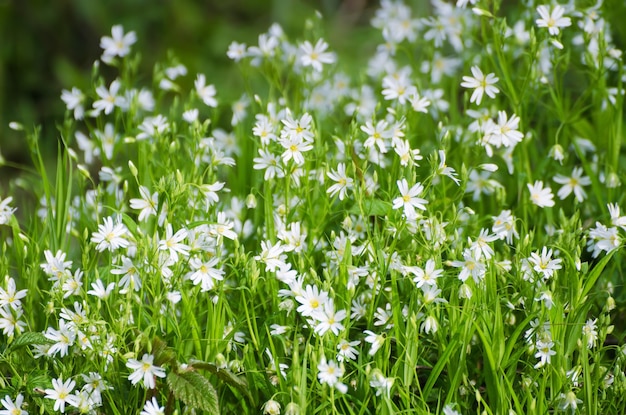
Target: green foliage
[194,390]
[435,231]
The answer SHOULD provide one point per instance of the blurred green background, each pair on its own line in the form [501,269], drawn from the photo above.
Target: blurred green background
[46,46]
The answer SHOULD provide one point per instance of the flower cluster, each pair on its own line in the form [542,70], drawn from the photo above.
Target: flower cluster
[386,237]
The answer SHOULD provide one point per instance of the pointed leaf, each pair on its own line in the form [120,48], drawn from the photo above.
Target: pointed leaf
[162,353]
[225,375]
[194,390]
[28,339]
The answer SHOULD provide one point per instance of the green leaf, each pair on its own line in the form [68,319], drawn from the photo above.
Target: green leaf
[28,339]
[225,375]
[593,276]
[441,362]
[162,353]
[371,207]
[194,390]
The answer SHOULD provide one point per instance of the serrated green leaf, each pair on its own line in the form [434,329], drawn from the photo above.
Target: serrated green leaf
[194,390]
[225,375]
[162,353]
[28,339]
[371,207]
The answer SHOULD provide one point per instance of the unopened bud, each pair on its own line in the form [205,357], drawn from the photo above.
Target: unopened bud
[133,168]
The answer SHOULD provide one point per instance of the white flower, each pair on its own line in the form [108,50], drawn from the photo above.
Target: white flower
[544,264]
[539,195]
[130,274]
[204,273]
[191,115]
[376,340]
[544,352]
[11,297]
[63,338]
[590,332]
[602,238]
[210,192]
[315,56]
[172,243]
[504,132]
[480,246]
[329,319]
[471,266]
[222,228]
[110,236]
[574,183]
[377,135]
[343,182]
[271,407]
[347,350]
[312,301]
[272,256]
[10,321]
[294,147]
[552,19]
[409,199]
[406,154]
[419,103]
[74,101]
[62,394]
[152,408]
[482,84]
[6,212]
[330,373]
[399,88]
[144,369]
[13,408]
[429,325]
[118,44]
[444,170]
[236,51]
[94,386]
[205,92]
[299,129]
[381,383]
[504,226]
[147,203]
[449,408]
[270,163]
[153,126]
[569,401]
[427,276]
[109,98]
[266,49]
[616,219]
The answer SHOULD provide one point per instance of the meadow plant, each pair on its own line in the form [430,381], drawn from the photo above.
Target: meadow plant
[439,231]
